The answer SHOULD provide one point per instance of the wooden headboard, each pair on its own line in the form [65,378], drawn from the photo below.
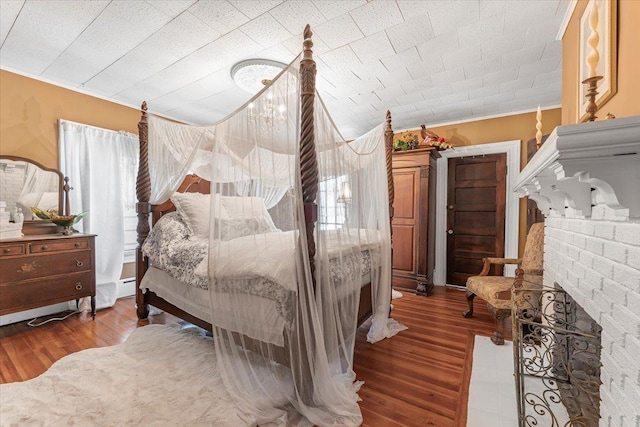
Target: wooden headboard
[191,184]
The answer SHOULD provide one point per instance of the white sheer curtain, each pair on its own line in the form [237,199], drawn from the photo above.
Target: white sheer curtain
[98,162]
[266,303]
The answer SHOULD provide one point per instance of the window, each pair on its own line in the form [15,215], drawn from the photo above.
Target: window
[331,215]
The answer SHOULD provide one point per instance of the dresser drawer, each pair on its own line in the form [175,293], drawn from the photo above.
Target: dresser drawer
[58,245]
[12,249]
[15,269]
[36,293]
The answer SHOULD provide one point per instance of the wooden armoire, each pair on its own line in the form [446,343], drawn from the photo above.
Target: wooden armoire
[414,219]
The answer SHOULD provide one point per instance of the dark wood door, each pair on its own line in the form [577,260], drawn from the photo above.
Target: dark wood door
[475,214]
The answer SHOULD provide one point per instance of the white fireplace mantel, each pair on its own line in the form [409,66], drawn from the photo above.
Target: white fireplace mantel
[582,165]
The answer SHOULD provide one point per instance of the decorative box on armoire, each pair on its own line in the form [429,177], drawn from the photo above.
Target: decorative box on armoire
[414,219]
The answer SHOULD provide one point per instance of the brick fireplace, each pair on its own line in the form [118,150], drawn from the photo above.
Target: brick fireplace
[586,180]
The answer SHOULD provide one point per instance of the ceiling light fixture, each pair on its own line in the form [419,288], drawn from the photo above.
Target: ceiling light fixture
[252,75]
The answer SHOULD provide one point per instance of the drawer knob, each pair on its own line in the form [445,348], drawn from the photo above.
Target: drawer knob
[79,263]
[78,286]
[77,245]
[7,250]
[44,247]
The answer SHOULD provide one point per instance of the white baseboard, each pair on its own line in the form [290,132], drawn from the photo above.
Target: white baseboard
[127,287]
[21,316]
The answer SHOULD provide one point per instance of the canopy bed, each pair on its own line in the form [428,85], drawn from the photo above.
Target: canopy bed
[267,248]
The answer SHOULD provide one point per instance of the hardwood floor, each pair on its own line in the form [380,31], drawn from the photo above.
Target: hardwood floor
[418,378]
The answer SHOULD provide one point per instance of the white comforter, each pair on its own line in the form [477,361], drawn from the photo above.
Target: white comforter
[256,273]
[273,255]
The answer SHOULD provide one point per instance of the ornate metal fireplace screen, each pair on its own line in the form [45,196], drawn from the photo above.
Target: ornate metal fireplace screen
[556,358]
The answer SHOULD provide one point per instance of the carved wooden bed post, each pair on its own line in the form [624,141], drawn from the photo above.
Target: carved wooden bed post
[301,369]
[143,193]
[308,161]
[388,145]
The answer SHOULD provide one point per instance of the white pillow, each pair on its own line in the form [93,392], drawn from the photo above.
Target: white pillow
[240,227]
[248,207]
[194,208]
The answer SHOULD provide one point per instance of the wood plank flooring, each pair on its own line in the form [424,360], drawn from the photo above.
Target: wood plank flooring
[418,378]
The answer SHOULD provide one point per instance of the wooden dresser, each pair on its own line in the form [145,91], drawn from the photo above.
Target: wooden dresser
[414,179]
[40,270]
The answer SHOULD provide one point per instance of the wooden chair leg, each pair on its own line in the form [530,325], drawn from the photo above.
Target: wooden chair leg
[470,296]
[502,317]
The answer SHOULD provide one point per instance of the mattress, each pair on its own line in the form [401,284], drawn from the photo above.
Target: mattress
[196,301]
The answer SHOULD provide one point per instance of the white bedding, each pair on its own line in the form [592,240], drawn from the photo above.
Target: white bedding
[255,273]
[196,301]
[273,255]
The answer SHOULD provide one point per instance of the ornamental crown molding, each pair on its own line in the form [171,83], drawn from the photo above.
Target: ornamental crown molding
[583,165]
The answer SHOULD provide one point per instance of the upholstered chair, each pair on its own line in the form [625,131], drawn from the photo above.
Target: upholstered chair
[496,290]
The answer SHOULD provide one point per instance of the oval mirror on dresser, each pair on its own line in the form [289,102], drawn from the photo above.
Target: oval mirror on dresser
[25,183]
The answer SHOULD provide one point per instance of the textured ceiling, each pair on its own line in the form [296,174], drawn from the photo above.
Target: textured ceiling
[427,61]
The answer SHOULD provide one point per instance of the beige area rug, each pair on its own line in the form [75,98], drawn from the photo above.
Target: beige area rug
[161,376]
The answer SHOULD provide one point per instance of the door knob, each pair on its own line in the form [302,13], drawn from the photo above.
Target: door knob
[450,207]
[450,231]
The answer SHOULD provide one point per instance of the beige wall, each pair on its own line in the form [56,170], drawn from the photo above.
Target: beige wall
[29,113]
[626,101]
[508,128]
[518,127]
[30,109]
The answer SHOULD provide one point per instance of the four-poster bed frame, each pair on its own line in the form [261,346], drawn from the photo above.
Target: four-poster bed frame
[193,183]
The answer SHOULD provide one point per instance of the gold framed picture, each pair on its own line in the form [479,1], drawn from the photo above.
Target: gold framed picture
[607,48]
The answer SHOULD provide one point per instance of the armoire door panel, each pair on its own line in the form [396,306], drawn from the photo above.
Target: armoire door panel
[403,242]
[405,190]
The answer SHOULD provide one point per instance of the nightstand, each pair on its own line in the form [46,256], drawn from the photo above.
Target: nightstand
[36,271]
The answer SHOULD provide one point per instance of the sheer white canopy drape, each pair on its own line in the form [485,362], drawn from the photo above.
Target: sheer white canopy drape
[98,162]
[266,302]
